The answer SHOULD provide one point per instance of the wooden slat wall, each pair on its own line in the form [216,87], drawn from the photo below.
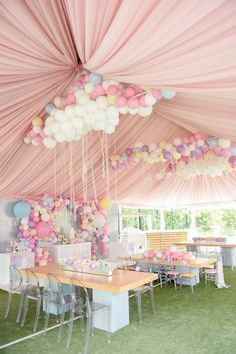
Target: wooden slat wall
[162,240]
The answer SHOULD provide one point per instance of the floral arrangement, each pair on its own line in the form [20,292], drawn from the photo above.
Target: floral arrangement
[88,266]
[191,156]
[209,239]
[93,103]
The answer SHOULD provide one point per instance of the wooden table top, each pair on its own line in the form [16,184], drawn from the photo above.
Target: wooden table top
[205,243]
[199,262]
[120,281]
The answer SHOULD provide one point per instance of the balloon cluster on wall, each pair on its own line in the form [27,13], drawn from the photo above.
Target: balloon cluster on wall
[93,223]
[188,157]
[38,221]
[93,103]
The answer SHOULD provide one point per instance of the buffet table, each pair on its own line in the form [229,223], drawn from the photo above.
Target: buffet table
[112,290]
[228,250]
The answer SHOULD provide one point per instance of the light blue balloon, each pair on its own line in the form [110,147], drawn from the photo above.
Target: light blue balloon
[167,94]
[22,209]
[233,150]
[213,143]
[124,158]
[49,108]
[95,79]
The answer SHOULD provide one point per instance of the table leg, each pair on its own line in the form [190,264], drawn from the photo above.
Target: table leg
[119,310]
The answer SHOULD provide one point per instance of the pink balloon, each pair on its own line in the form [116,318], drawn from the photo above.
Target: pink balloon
[93,95]
[198,136]
[112,90]
[133,103]
[71,98]
[186,140]
[38,138]
[99,90]
[217,150]
[142,101]
[121,101]
[227,153]
[156,93]
[86,78]
[130,91]
[43,229]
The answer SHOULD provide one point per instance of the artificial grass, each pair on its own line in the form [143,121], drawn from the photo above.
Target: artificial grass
[200,323]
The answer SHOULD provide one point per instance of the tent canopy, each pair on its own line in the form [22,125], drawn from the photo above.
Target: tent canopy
[185,46]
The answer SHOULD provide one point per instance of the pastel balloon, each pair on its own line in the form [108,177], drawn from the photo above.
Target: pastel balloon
[22,209]
[43,229]
[105,203]
[168,94]
[95,79]
[37,122]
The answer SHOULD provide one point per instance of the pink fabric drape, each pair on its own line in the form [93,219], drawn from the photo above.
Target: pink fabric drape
[187,46]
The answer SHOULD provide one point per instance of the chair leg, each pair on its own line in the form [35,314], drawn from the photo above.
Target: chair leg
[175,282]
[8,304]
[152,300]
[139,304]
[109,324]
[38,307]
[62,316]
[46,316]
[87,334]
[20,306]
[25,310]
[70,329]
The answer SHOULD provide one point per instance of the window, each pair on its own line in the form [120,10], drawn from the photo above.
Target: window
[177,219]
[143,219]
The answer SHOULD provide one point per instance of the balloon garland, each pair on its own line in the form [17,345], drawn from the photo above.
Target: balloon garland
[92,103]
[187,157]
[38,222]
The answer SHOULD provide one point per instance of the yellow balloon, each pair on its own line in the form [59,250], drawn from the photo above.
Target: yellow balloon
[150,160]
[43,211]
[162,159]
[56,229]
[57,203]
[37,122]
[111,100]
[138,155]
[105,203]
[162,144]
[176,155]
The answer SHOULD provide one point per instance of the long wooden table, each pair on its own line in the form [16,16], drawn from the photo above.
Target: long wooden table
[112,291]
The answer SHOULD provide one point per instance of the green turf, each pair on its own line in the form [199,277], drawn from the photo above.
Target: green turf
[186,323]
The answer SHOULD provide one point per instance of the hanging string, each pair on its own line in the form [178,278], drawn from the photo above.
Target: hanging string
[72,192]
[84,168]
[116,182]
[102,152]
[106,153]
[92,170]
[55,172]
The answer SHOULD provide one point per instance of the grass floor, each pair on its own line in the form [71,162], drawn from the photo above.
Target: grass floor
[200,323]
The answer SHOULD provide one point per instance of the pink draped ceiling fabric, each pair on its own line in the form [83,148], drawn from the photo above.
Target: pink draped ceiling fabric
[186,46]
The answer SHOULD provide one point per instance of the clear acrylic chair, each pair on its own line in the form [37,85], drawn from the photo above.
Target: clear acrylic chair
[18,285]
[138,292]
[84,307]
[36,293]
[57,299]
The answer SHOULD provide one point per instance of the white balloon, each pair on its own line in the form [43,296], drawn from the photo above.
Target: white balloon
[113,121]
[60,116]
[152,147]
[70,111]
[45,217]
[200,142]
[54,111]
[49,120]
[91,106]
[88,87]
[99,125]
[47,130]
[77,136]
[99,116]
[133,111]
[36,130]
[89,119]
[60,138]
[55,127]
[35,142]
[224,143]
[80,110]
[168,147]
[149,99]
[145,111]
[123,110]
[109,129]
[83,99]
[49,143]
[79,93]
[106,84]
[66,126]
[77,122]
[102,102]
[112,112]
[27,140]
[177,142]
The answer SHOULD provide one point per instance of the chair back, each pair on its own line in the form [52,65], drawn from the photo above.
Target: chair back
[33,288]
[81,297]
[56,293]
[16,280]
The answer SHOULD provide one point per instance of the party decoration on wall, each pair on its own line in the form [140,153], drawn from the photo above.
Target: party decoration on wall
[93,103]
[38,223]
[188,157]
